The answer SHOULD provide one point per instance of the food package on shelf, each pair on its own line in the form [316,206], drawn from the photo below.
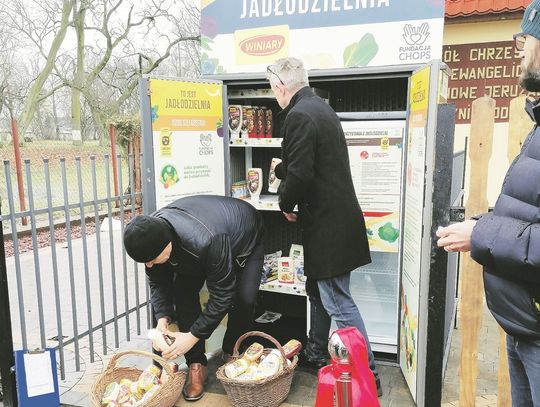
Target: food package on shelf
[297,254]
[285,270]
[270,267]
[239,190]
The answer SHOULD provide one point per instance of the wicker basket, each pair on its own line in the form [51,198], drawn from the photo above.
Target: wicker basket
[165,397]
[269,392]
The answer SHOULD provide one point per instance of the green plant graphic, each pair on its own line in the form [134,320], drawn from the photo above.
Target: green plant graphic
[360,53]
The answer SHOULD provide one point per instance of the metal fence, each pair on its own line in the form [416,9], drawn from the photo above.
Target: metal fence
[74,284]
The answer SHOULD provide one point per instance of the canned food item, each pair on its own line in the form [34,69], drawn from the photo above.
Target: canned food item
[292,348]
[254,352]
[271,365]
[236,368]
[148,378]
[111,394]
[124,393]
[149,394]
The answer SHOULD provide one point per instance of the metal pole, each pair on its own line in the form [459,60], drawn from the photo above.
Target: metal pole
[18,167]
[114,162]
[344,390]
[7,361]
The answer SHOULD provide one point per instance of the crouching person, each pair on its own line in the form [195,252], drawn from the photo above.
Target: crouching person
[195,240]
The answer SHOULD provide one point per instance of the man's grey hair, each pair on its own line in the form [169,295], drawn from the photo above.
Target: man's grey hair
[290,71]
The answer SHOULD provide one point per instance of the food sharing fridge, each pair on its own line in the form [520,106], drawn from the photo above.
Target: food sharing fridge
[221,134]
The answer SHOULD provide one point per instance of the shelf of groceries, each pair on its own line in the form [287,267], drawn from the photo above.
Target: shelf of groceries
[284,274]
[264,202]
[277,287]
[256,142]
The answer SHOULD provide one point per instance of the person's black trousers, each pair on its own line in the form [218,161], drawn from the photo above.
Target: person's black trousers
[188,306]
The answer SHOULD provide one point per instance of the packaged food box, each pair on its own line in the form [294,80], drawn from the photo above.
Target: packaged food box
[285,270]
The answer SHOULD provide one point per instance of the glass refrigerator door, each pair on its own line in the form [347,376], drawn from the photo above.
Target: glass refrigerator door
[376,159]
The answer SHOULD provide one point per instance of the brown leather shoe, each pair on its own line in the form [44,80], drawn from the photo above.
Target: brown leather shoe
[194,387]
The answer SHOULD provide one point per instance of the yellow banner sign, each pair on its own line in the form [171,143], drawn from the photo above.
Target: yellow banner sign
[180,105]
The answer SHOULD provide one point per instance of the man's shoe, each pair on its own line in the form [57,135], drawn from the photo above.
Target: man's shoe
[194,387]
[304,361]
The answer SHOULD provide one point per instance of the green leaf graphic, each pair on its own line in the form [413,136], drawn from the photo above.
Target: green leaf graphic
[360,53]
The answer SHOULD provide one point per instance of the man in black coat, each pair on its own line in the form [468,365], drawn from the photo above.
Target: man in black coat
[198,239]
[316,177]
[507,241]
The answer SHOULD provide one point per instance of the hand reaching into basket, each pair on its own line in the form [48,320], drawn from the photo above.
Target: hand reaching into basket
[183,342]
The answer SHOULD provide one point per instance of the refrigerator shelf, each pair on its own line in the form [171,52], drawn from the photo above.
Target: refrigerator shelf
[266,203]
[276,287]
[256,142]
[367,294]
[381,271]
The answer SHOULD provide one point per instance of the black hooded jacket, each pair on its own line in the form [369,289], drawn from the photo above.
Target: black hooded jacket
[212,232]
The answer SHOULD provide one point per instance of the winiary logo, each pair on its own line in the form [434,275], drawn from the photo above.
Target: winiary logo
[261,45]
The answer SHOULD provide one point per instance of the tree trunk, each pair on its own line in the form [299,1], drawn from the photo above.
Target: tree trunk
[55,116]
[78,20]
[33,97]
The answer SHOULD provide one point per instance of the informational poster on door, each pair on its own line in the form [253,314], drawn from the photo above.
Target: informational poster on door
[187,129]
[412,226]
[376,155]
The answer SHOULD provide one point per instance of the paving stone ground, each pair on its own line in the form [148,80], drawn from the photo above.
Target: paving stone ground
[396,393]
[75,387]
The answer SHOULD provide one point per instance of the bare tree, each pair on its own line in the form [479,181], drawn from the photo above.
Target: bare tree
[45,25]
[110,44]
[127,42]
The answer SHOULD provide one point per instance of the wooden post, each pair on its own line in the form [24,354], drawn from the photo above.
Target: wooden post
[18,168]
[471,309]
[519,125]
[503,377]
[114,162]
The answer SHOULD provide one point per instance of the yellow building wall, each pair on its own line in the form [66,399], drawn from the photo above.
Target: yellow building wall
[491,31]
[480,32]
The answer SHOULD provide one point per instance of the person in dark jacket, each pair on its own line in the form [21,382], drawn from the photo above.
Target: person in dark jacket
[316,177]
[195,240]
[507,241]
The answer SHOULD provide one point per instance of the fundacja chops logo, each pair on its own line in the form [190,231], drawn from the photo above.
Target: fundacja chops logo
[262,44]
[415,35]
